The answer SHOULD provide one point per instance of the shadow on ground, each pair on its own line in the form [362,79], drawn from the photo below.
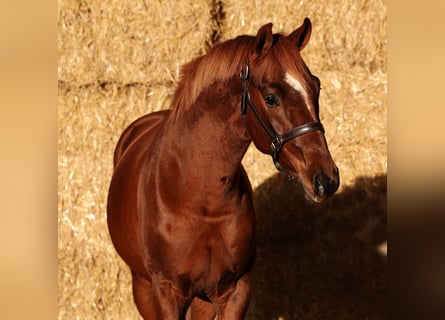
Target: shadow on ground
[320,261]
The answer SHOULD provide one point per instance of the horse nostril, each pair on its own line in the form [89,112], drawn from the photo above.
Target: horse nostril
[323,185]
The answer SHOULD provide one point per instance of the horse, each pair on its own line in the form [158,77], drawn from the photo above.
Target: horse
[179,210]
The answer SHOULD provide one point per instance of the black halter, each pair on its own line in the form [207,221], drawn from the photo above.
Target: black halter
[277,141]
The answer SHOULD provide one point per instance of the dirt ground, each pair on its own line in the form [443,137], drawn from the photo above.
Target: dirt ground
[119,60]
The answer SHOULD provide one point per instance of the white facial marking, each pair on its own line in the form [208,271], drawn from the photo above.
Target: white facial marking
[296,84]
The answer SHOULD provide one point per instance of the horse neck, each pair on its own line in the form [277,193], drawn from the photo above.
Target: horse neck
[206,143]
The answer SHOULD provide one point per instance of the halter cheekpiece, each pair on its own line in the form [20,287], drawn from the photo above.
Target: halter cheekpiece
[277,141]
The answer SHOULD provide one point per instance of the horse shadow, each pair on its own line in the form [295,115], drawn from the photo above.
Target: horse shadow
[320,261]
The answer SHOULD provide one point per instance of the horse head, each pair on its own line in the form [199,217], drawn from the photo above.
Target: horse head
[281,110]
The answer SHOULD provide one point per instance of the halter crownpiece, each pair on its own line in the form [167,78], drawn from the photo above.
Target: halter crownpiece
[244,75]
[276,141]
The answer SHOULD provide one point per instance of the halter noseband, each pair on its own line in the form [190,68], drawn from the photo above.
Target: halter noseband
[276,141]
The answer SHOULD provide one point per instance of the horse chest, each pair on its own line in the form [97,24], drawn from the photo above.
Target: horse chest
[203,254]
[217,259]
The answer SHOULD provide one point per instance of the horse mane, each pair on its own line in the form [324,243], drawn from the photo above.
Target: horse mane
[226,60]
[221,63]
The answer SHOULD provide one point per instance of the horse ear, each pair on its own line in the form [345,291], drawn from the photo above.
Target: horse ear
[264,39]
[301,35]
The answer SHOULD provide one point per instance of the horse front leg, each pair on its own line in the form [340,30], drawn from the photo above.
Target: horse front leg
[202,310]
[142,294]
[158,299]
[234,306]
[168,302]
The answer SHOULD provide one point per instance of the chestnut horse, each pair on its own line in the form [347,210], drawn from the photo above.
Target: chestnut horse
[180,210]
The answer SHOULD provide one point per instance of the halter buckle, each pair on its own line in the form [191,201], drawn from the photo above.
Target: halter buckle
[244,75]
[276,144]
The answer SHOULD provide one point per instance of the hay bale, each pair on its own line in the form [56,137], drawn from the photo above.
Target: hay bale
[345,33]
[129,41]
[119,60]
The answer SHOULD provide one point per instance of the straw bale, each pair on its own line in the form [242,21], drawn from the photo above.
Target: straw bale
[130,41]
[345,33]
[119,60]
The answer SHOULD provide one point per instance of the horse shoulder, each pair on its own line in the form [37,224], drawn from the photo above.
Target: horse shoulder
[137,129]
[122,209]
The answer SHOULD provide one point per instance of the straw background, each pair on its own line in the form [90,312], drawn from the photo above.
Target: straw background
[119,60]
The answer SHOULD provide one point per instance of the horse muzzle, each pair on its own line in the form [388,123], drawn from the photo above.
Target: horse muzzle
[325,186]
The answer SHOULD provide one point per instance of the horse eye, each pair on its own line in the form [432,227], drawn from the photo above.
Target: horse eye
[271,100]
